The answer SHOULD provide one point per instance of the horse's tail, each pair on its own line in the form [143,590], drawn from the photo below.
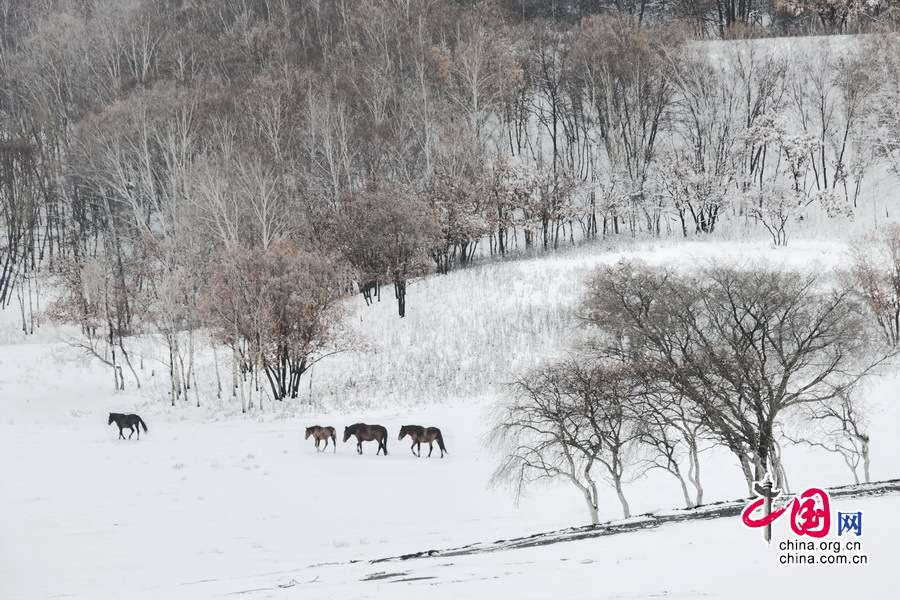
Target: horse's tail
[384,437]
[144,425]
[440,441]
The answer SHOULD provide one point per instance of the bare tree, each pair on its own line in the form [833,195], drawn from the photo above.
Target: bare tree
[20,203]
[883,124]
[779,194]
[572,422]
[172,272]
[699,166]
[742,343]
[875,274]
[628,96]
[97,296]
[673,432]
[840,426]
[830,95]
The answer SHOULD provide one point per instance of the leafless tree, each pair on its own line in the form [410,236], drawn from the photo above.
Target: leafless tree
[570,421]
[840,426]
[883,123]
[831,93]
[875,275]
[172,276]
[742,343]
[20,203]
[673,431]
[699,165]
[97,296]
[628,96]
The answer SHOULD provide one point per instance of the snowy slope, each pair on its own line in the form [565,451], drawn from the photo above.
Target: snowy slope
[210,503]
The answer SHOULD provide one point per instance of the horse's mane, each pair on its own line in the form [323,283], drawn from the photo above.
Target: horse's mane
[352,428]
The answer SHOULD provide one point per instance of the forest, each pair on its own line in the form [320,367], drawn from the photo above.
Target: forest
[240,167]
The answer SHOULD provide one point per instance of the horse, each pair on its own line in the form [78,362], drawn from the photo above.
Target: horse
[127,421]
[420,434]
[367,433]
[322,433]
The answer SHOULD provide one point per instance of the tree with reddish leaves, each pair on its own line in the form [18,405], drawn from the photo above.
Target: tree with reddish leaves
[386,232]
[278,309]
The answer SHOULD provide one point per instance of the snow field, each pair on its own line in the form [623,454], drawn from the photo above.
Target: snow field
[211,503]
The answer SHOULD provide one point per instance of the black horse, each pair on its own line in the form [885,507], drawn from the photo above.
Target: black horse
[367,433]
[421,434]
[129,421]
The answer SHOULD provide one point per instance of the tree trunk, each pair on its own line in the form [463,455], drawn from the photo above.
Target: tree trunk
[400,293]
[626,511]
[694,472]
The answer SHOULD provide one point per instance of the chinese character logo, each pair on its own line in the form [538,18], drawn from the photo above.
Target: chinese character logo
[810,511]
[850,522]
[809,516]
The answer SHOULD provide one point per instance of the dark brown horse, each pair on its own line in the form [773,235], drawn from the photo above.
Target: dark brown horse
[420,434]
[322,433]
[367,433]
[130,421]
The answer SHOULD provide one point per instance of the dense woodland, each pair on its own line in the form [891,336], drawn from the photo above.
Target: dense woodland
[241,166]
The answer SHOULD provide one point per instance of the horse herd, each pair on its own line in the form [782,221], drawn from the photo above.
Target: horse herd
[378,433]
[364,433]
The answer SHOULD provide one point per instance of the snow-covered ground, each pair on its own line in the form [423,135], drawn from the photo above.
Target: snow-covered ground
[211,503]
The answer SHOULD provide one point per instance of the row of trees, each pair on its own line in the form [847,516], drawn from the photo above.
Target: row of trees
[144,142]
[747,357]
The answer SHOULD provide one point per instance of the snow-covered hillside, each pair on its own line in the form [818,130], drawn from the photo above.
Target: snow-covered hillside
[211,503]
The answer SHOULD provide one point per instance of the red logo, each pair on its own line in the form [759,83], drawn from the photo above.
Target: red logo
[810,513]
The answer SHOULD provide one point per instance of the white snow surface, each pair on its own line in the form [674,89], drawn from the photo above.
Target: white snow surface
[211,503]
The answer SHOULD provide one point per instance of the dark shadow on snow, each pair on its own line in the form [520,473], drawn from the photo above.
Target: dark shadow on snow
[715,510]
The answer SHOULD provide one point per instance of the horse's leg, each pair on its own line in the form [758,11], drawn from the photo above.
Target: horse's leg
[412,447]
[333,444]
[325,447]
[430,448]
[121,435]
[132,431]
[359,447]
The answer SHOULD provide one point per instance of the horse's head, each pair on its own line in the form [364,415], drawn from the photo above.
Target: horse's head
[403,432]
[309,431]
[347,433]
[111,419]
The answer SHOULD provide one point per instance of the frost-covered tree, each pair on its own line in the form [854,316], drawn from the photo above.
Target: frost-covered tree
[835,15]
[780,191]
[874,273]
[830,93]
[626,96]
[699,166]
